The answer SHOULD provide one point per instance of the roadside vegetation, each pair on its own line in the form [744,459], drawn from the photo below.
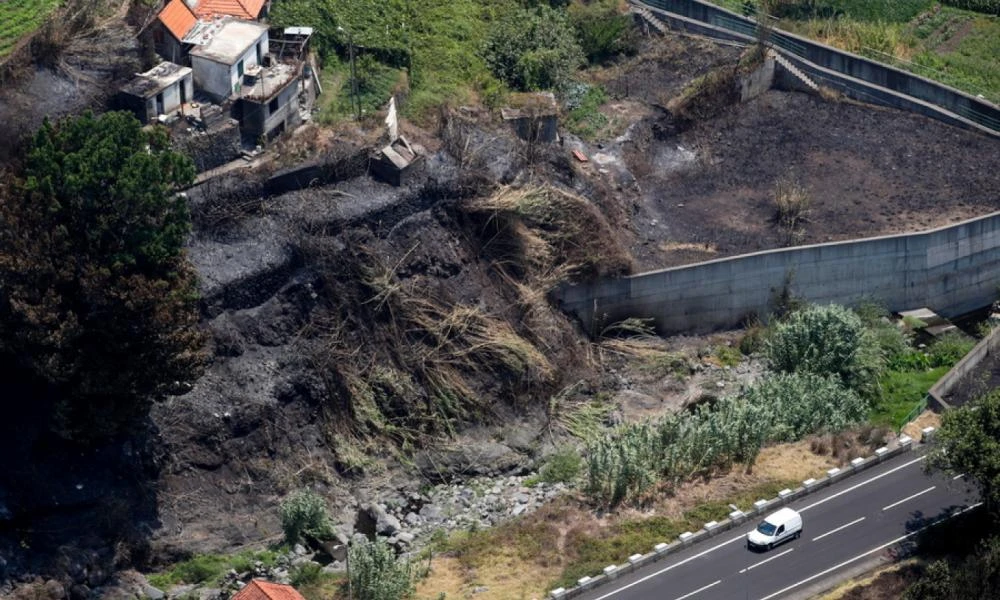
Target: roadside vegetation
[955,42]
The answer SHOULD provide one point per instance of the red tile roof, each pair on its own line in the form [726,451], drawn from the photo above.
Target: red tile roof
[258,589]
[178,18]
[243,9]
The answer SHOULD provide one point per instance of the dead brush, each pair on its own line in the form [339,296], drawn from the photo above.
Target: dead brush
[541,228]
[791,204]
[450,347]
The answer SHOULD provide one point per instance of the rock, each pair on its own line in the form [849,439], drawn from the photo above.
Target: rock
[405,537]
[301,560]
[334,567]
[517,510]
[79,592]
[470,459]
[151,592]
[209,593]
[412,518]
[53,590]
[299,550]
[522,498]
[180,591]
[431,512]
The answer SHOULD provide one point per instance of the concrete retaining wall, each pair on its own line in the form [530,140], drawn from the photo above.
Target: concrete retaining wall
[854,75]
[986,346]
[952,270]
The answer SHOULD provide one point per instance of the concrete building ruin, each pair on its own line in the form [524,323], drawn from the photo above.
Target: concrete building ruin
[159,92]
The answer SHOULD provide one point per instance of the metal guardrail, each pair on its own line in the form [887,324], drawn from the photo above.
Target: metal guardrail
[722,18]
[913,414]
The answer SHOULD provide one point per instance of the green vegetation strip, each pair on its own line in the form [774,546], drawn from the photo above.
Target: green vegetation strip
[22,17]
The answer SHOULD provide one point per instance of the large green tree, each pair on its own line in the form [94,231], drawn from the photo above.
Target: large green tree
[968,442]
[533,49]
[97,299]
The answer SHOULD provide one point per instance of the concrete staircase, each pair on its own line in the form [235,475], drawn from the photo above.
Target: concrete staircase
[788,66]
[648,16]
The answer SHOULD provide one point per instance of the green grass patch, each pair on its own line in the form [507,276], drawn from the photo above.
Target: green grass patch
[590,554]
[209,568]
[585,118]
[901,392]
[953,46]
[438,41]
[19,18]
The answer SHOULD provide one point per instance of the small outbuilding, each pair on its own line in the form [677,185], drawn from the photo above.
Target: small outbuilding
[161,90]
[268,102]
[258,589]
[533,116]
[174,23]
[224,53]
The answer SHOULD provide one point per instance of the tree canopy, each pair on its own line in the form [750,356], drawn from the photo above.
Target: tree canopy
[533,49]
[97,299]
[968,442]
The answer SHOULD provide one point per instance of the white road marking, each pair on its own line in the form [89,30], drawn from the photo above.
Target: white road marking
[860,556]
[819,537]
[701,589]
[909,498]
[958,477]
[665,569]
[866,482]
[767,560]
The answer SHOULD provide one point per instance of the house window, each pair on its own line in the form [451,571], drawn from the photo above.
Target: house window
[239,69]
[272,106]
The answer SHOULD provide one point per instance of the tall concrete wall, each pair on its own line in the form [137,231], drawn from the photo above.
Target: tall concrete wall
[827,61]
[952,270]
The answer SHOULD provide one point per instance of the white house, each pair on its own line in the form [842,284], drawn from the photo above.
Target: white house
[224,52]
[159,91]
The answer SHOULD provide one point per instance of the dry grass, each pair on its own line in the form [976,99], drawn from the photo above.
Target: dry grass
[914,428]
[525,557]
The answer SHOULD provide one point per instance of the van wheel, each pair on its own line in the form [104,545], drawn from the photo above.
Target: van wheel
[798,534]
[770,546]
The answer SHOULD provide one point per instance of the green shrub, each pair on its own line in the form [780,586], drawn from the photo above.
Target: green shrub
[376,574]
[990,7]
[563,466]
[306,573]
[583,102]
[949,349]
[533,49]
[304,513]
[827,340]
[602,31]
[728,356]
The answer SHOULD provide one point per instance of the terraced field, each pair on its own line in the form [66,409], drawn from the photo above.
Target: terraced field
[19,18]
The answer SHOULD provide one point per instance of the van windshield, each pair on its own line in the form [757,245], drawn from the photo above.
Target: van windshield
[766,528]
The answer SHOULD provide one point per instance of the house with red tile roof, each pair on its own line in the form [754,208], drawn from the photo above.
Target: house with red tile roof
[251,10]
[172,26]
[181,24]
[258,589]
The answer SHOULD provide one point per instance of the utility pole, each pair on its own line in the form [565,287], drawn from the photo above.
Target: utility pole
[355,101]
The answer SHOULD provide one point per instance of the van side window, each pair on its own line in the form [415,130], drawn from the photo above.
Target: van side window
[781,530]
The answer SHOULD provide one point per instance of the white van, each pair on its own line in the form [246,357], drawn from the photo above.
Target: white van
[778,527]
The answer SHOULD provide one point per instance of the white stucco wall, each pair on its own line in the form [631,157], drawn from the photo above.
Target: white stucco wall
[220,80]
[211,77]
[171,97]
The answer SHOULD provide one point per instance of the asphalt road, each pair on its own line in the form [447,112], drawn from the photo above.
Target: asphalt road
[846,526]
